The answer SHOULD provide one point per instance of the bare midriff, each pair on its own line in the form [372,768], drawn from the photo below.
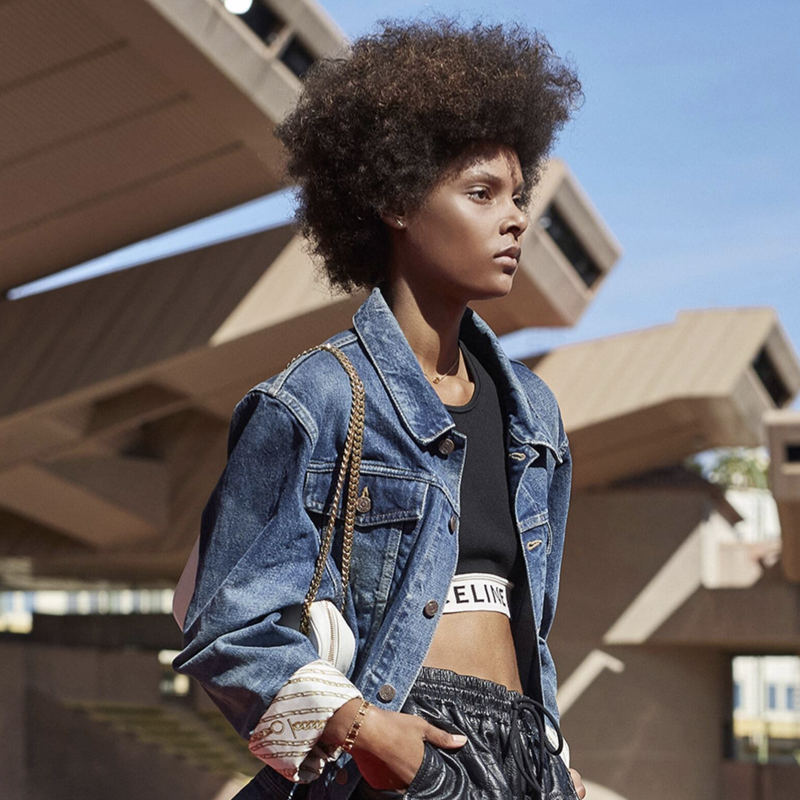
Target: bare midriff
[476,643]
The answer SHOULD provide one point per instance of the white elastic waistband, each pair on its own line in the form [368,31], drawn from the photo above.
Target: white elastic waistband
[478,591]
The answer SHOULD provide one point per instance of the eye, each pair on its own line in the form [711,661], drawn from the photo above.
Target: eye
[518,200]
[481,191]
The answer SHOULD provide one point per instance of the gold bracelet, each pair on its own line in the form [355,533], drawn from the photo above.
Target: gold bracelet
[347,745]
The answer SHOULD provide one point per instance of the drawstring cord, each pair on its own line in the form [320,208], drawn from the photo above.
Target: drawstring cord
[532,770]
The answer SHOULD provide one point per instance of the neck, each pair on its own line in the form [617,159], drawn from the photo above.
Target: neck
[431,324]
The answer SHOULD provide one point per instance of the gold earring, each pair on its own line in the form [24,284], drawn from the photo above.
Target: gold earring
[400,223]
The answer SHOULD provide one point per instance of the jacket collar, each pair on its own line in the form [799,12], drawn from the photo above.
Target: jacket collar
[420,408]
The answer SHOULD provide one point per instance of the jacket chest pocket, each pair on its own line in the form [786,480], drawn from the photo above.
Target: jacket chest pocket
[388,515]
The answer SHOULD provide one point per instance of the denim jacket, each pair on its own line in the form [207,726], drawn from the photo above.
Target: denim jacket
[261,528]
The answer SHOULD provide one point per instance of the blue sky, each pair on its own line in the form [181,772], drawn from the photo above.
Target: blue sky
[686,144]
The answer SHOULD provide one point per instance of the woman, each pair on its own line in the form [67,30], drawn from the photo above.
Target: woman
[415,158]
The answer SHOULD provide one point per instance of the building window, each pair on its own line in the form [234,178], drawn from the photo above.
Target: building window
[570,245]
[297,57]
[258,16]
[793,453]
[769,377]
[764,722]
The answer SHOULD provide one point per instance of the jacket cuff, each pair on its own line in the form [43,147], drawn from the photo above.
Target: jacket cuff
[287,735]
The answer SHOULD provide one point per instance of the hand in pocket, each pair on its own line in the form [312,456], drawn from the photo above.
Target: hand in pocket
[390,747]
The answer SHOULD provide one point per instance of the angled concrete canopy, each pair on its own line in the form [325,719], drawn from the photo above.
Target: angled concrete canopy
[113,422]
[124,120]
[636,401]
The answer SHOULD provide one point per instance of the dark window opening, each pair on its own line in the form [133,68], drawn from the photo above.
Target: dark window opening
[262,20]
[768,374]
[793,453]
[772,696]
[297,57]
[569,244]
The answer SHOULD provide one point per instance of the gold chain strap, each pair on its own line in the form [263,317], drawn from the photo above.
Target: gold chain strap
[351,458]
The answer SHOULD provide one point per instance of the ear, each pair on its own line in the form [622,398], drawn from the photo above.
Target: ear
[394,219]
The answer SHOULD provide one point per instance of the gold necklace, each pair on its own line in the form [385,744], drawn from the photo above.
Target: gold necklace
[446,373]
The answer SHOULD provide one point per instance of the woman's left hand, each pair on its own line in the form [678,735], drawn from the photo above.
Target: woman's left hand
[576,779]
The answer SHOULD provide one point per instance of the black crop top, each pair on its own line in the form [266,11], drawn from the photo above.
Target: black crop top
[487,537]
[488,541]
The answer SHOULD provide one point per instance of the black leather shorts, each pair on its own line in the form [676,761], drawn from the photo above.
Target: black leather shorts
[507,754]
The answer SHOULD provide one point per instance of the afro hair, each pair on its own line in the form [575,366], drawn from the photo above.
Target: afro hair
[376,129]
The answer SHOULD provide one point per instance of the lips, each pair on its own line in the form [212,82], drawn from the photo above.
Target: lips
[510,252]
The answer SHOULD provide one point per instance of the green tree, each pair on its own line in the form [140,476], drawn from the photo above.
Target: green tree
[734,467]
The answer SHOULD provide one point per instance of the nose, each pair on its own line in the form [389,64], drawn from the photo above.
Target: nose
[516,222]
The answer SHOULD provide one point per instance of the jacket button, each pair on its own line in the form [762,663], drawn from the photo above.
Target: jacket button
[387,693]
[363,504]
[534,544]
[453,523]
[446,446]
[431,607]
[341,776]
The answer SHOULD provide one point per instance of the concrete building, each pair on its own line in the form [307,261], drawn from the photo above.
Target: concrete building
[660,587]
[127,120]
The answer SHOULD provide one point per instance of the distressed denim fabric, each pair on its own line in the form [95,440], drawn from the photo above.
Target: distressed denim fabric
[261,527]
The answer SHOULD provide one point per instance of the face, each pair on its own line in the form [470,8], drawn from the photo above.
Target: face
[465,240]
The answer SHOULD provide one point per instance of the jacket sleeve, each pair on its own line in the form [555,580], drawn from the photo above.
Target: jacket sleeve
[258,547]
[558,509]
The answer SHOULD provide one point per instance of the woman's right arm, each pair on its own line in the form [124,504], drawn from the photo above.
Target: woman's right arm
[258,547]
